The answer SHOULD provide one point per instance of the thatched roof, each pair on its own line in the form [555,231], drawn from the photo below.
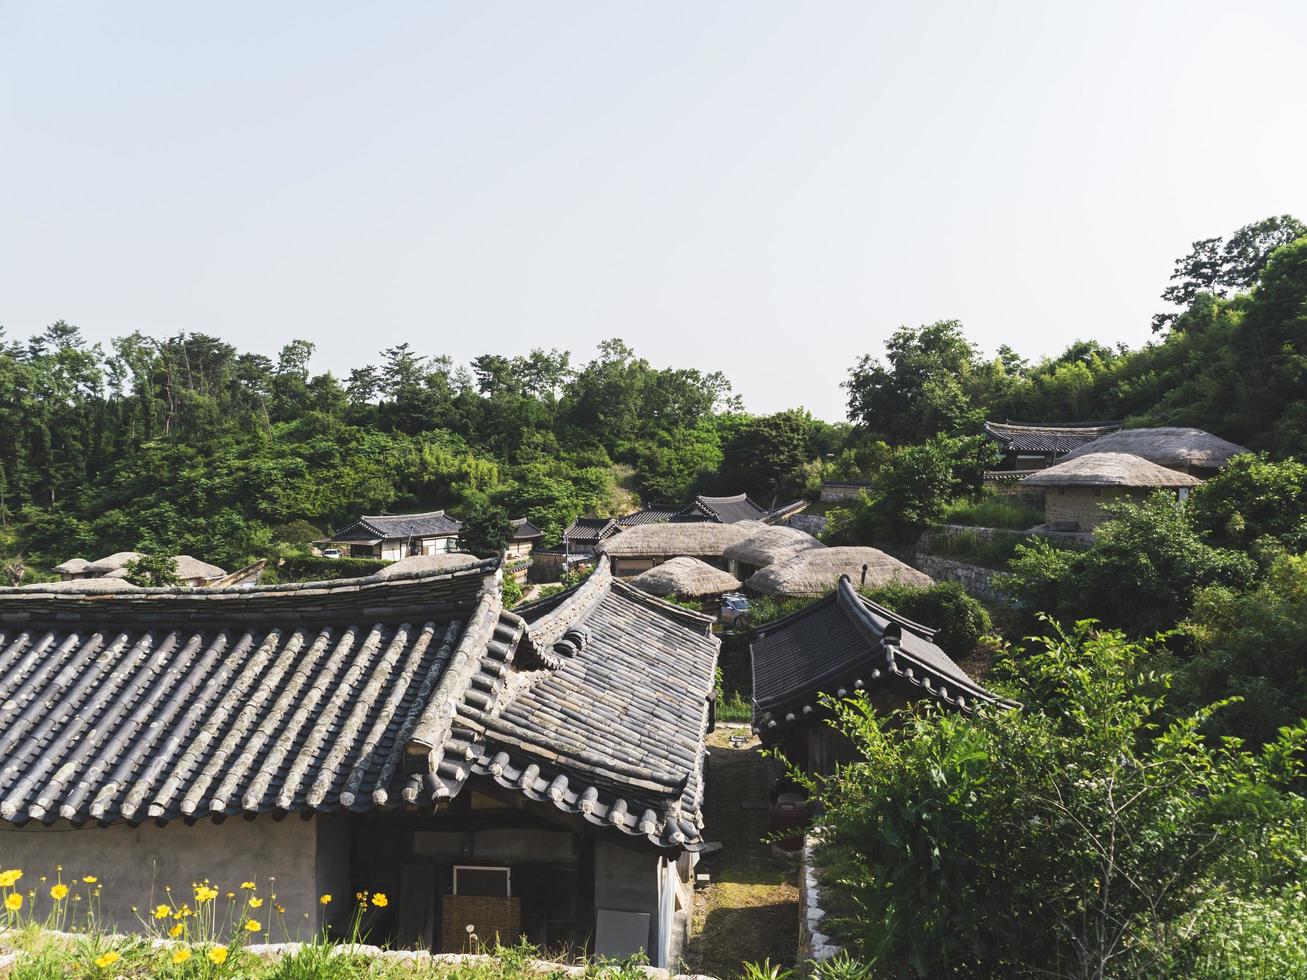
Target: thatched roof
[1165,446]
[428,564]
[73,566]
[1108,470]
[189,568]
[111,563]
[816,570]
[686,577]
[770,545]
[85,585]
[695,538]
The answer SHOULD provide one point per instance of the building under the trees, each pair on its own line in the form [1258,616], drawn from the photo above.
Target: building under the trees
[537,773]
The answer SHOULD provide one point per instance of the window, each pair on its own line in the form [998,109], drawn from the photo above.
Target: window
[472,879]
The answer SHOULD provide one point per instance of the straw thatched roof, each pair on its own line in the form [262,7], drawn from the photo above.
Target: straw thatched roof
[192,568]
[78,585]
[770,545]
[111,563]
[73,566]
[686,577]
[696,538]
[816,570]
[428,563]
[1109,470]
[1165,446]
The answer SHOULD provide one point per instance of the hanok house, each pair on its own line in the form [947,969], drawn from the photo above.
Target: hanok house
[737,508]
[1034,445]
[649,545]
[1076,489]
[524,539]
[583,535]
[1191,451]
[538,774]
[395,536]
[836,646]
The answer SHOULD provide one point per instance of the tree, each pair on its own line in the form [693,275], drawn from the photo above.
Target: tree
[928,385]
[486,530]
[762,457]
[1085,835]
[153,570]
[1219,267]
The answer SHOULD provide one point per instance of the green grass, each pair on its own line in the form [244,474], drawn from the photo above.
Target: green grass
[750,911]
[733,707]
[972,548]
[993,511]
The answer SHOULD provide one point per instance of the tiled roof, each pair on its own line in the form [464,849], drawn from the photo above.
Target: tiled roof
[653,514]
[590,530]
[166,703]
[524,530]
[615,733]
[1047,437]
[359,694]
[435,523]
[723,510]
[845,642]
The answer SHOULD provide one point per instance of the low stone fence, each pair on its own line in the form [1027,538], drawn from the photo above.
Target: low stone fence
[814,944]
[976,579]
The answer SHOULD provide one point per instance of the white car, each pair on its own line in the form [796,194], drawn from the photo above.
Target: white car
[735,605]
[330,552]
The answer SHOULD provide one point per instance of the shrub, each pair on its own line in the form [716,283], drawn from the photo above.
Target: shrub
[959,620]
[990,550]
[1081,836]
[1142,573]
[312,568]
[993,511]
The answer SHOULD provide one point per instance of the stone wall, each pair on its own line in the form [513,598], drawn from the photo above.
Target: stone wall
[814,944]
[976,579]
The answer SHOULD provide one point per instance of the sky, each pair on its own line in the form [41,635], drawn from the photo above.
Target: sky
[765,189]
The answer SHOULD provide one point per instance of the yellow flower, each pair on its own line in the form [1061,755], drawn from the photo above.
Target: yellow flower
[10,878]
[107,960]
[203,893]
[380,900]
[176,930]
[91,880]
[325,900]
[248,885]
[252,925]
[281,909]
[162,911]
[218,955]
[256,903]
[59,892]
[180,956]
[13,901]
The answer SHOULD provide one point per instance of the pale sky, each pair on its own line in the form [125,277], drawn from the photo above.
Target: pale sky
[766,189]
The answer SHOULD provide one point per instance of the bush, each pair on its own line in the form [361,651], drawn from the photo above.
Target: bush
[1251,645]
[1084,835]
[993,511]
[959,620]
[1142,573]
[973,548]
[312,568]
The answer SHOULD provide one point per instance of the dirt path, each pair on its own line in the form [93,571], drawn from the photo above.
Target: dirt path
[751,909]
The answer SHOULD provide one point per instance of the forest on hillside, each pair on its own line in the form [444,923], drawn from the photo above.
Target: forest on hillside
[186,444]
